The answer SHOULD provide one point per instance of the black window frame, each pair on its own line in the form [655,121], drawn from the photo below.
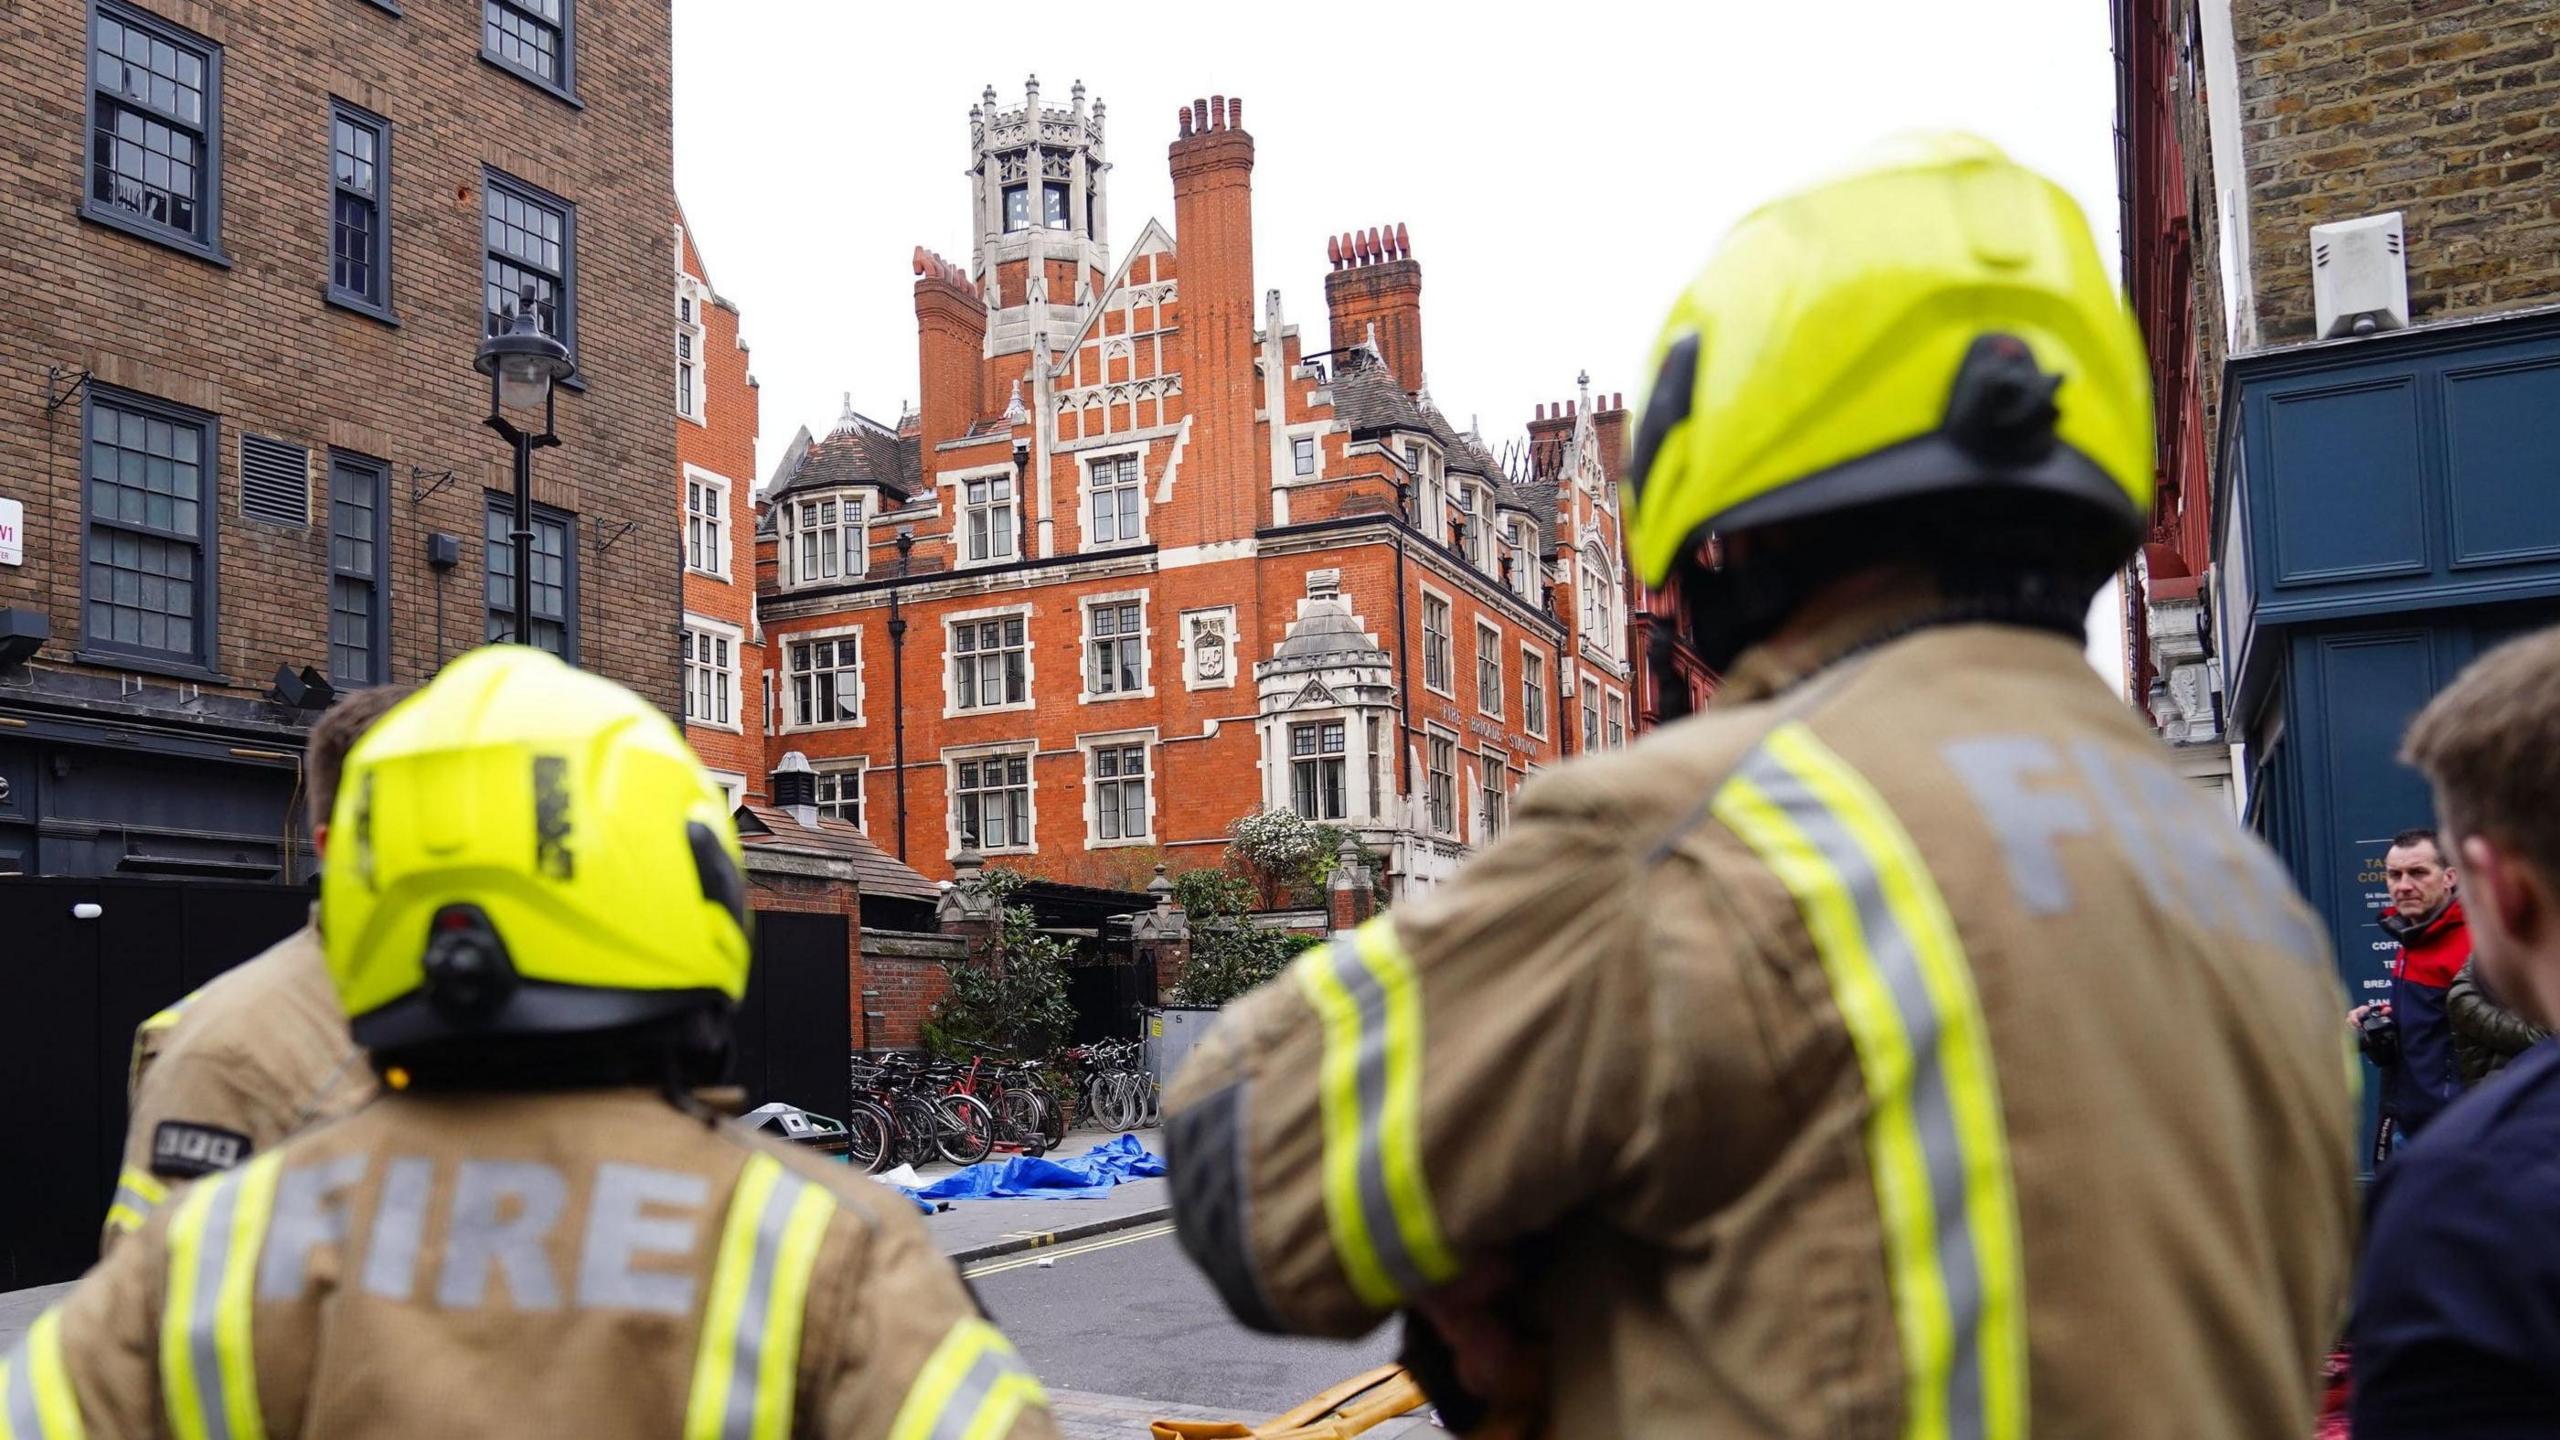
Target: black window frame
[377,579]
[1114,782]
[196,663]
[204,243]
[1005,197]
[502,506]
[840,678]
[377,301]
[846,778]
[1115,660]
[1107,478]
[1009,653]
[1319,770]
[993,776]
[564,87]
[565,285]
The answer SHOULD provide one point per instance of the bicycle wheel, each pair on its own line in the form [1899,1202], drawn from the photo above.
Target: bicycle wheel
[1150,1101]
[918,1125]
[1114,1108]
[870,1137]
[1026,1120]
[966,1129]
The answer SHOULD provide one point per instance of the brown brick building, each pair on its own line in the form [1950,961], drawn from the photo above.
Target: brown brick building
[254,248]
[1144,560]
[723,650]
[2342,240]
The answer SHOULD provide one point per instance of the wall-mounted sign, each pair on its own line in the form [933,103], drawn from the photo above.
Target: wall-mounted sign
[13,533]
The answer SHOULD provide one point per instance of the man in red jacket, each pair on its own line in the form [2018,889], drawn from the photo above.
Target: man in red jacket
[2420,1075]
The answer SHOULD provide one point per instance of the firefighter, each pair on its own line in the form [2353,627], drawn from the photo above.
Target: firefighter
[1898,1048]
[259,1053]
[535,917]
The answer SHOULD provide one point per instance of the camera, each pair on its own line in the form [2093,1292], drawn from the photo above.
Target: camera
[2378,1032]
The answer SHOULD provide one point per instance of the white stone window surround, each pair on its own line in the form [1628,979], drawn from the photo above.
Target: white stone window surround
[852,525]
[790,689]
[1489,646]
[1223,619]
[1533,710]
[1309,430]
[733,787]
[721,629]
[957,507]
[1146,690]
[1435,733]
[1145,738]
[690,288]
[1427,481]
[1085,462]
[952,755]
[951,706]
[716,483]
[1449,642]
[857,766]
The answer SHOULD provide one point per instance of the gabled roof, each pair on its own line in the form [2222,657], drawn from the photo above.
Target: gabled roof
[1366,397]
[1152,239]
[858,451]
[875,871]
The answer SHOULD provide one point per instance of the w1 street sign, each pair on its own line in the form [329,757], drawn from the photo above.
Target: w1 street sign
[13,533]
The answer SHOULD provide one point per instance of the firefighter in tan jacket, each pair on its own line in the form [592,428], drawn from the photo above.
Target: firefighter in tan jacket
[1900,1048]
[536,918]
[258,1053]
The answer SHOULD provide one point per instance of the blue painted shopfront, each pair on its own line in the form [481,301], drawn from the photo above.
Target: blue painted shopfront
[2390,509]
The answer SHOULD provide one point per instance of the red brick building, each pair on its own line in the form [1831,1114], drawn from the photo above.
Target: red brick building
[1144,559]
[253,248]
[716,418]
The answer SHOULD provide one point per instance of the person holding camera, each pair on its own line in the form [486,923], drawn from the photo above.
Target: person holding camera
[2408,1037]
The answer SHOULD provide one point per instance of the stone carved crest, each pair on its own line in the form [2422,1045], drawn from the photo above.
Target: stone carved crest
[1209,647]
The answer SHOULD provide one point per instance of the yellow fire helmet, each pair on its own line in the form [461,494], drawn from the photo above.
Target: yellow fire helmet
[525,849]
[1937,319]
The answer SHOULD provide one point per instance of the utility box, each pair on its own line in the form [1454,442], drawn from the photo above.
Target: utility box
[1172,1033]
[2359,276]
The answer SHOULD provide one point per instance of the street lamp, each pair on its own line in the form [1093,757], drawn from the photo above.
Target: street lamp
[523,365]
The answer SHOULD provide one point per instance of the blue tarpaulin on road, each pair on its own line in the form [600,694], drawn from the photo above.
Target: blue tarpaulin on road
[1023,1178]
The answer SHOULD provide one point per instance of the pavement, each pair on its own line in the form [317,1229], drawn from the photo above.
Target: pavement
[1122,1330]
[1101,1302]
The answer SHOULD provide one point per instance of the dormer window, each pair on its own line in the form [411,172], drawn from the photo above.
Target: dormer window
[1478,504]
[1430,491]
[822,539]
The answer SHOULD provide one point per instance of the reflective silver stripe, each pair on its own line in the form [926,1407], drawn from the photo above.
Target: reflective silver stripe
[1897,963]
[204,1350]
[18,1403]
[1369,1074]
[960,1412]
[746,1352]
[128,1198]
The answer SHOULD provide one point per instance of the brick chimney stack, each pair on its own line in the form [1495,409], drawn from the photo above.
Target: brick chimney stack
[1549,432]
[951,339]
[1376,280]
[1212,163]
[1609,425]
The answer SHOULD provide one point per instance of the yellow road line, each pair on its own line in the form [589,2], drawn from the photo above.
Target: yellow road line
[1016,1262]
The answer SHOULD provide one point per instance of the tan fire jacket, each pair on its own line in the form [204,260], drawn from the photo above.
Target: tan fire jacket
[1905,1050]
[230,1071]
[587,1263]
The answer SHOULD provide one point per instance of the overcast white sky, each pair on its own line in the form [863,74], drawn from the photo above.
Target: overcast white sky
[1562,170]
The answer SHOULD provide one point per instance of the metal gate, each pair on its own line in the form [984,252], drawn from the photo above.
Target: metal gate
[795,1027]
[71,991]
[1111,997]
[75,983]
